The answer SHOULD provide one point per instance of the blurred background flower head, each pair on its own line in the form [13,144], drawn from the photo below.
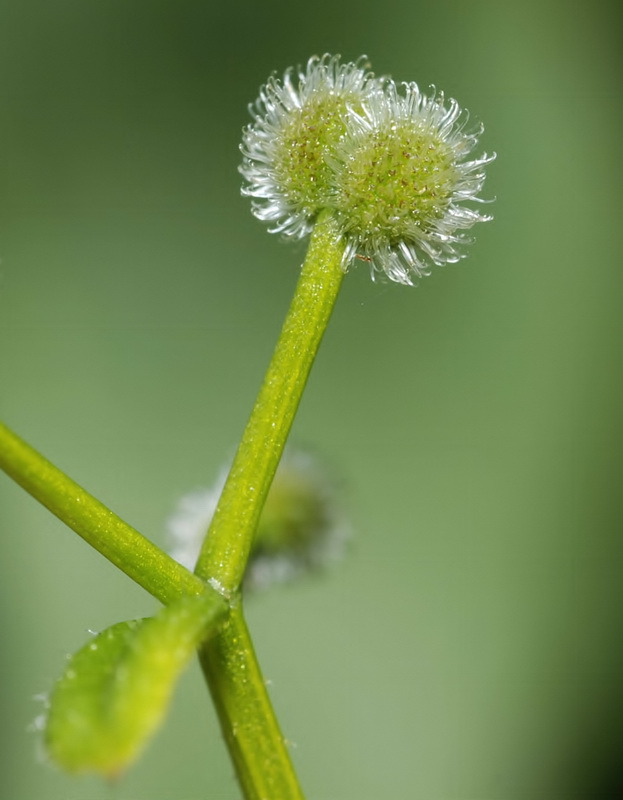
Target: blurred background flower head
[303,527]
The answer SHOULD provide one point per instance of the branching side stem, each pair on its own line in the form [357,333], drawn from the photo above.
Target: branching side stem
[135,555]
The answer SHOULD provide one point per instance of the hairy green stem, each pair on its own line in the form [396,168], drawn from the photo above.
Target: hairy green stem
[248,721]
[135,555]
[226,548]
[250,728]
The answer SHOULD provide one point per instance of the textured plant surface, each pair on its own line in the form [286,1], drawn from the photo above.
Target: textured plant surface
[375,171]
[392,164]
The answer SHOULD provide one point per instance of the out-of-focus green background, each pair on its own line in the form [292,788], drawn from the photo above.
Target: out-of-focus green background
[471,647]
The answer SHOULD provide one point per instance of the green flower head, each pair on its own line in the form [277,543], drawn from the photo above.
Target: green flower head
[298,123]
[392,164]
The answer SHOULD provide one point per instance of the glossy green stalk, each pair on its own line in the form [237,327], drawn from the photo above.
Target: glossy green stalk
[226,548]
[256,745]
[135,555]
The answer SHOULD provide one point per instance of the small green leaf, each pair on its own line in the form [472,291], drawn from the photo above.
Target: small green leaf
[116,689]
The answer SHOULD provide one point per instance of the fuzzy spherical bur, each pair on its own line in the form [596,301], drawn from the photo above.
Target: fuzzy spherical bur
[399,180]
[390,162]
[310,133]
[298,123]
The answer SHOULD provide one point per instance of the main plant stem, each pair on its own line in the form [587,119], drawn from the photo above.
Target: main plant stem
[224,555]
[249,725]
